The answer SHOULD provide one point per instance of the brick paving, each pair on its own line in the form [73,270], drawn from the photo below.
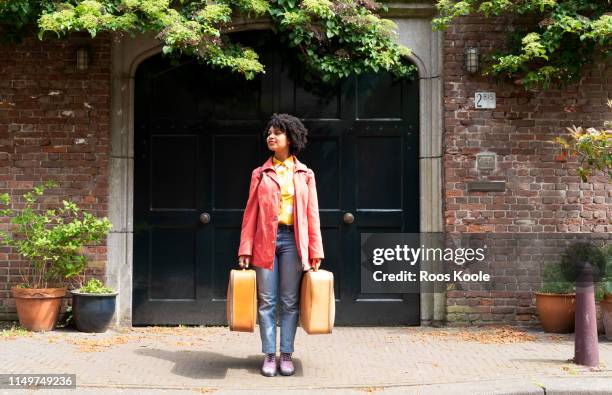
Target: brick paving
[351,360]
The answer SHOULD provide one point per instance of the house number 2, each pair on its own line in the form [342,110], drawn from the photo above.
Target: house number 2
[484,99]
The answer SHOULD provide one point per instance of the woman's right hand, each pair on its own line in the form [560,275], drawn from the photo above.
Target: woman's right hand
[244,261]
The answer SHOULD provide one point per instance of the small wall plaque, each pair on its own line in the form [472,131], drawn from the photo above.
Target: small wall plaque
[485,161]
[484,100]
[486,186]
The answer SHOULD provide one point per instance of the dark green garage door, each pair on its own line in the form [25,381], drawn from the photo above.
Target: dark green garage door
[197,138]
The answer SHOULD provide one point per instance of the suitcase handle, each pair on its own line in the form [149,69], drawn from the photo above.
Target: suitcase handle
[244,268]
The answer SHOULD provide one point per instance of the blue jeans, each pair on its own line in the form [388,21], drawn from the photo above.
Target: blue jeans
[284,281]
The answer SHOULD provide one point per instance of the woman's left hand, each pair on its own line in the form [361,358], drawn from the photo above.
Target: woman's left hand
[315,263]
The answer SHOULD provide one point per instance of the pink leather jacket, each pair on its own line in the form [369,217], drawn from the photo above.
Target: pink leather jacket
[260,219]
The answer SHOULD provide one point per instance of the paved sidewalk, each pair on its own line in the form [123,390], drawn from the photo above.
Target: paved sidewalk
[352,360]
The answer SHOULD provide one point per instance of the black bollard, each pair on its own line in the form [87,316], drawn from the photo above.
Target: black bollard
[586,348]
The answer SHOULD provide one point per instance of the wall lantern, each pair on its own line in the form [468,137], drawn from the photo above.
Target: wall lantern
[472,61]
[83,57]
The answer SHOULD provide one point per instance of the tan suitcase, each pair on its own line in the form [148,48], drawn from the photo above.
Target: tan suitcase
[242,300]
[317,302]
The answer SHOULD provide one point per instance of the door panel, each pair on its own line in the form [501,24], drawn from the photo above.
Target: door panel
[198,135]
[379,97]
[226,194]
[172,155]
[172,264]
[378,155]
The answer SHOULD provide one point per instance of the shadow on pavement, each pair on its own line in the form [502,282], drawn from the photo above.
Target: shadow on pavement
[210,365]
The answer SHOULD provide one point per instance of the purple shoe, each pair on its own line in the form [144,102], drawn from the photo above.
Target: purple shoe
[286,364]
[268,368]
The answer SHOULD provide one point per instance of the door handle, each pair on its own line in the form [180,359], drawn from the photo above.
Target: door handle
[204,218]
[348,218]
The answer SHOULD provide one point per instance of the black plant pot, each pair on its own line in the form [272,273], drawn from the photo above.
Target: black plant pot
[93,312]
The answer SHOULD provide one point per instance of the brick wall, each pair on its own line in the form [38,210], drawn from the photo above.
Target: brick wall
[54,124]
[542,195]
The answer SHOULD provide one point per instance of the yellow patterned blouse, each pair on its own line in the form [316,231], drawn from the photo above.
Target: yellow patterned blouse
[284,172]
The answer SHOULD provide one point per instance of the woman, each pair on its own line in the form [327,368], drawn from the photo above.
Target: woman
[281,236]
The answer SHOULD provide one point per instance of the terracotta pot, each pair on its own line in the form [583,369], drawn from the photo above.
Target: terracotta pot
[556,312]
[606,307]
[38,308]
[599,312]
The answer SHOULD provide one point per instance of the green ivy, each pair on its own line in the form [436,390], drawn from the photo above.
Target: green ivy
[51,240]
[557,38]
[333,38]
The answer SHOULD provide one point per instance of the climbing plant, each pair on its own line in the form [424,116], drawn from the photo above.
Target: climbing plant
[333,38]
[592,147]
[549,41]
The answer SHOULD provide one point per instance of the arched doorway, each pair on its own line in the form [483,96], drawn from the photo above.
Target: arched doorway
[197,136]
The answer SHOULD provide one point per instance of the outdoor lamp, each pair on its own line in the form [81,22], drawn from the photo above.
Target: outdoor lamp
[82,58]
[471,59]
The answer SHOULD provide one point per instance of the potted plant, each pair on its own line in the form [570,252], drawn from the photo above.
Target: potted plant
[93,306]
[556,301]
[52,242]
[606,301]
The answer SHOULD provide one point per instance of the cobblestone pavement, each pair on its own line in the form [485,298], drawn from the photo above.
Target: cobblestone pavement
[186,360]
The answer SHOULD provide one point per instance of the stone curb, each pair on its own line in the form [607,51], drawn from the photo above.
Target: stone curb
[546,386]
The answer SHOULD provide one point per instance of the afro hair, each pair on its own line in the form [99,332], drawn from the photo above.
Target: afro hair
[294,129]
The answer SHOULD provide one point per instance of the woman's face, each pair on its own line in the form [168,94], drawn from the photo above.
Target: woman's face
[277,140]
